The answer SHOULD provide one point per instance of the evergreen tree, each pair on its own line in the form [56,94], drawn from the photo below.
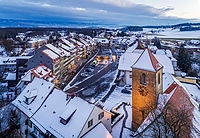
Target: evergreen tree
[184,61]
[157,43]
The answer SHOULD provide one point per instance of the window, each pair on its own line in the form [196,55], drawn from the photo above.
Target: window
[143,79]
[158,78]
[101,115]
[28,122]
[90,123]
[35,131]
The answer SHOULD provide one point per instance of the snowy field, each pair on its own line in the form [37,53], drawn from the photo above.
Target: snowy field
[169,33]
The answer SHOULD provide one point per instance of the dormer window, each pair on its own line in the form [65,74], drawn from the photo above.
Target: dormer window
[65,117]
[143,79]
[30,96]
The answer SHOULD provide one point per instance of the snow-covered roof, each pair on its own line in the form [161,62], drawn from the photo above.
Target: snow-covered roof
[49,108]
[44,72]
[50,54]
[147,61]
[61,52]
[11,76]
[68,43]
[132,48]
[127,60]
[194,41]
[99,131]
[41,70]
[39,89]
[27,76]
[11,60]
[84,42]
[68,48]
[166,62]
[78,42]
[82,111]
[167,81]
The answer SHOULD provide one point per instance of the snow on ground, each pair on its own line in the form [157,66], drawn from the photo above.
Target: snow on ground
[116,98]
[113,101]
[176,33]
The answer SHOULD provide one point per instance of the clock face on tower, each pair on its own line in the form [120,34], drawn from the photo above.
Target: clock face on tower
[142,90]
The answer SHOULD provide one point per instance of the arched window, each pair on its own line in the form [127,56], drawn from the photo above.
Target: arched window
[158,78]
[143,79]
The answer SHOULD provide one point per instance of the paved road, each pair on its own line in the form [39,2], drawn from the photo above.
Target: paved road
[93,78]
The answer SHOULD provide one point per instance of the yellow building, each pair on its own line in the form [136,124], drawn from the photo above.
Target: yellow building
[146,85]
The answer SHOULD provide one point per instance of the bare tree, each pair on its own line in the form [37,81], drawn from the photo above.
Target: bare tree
[7,128]
[168,122]
[179,121]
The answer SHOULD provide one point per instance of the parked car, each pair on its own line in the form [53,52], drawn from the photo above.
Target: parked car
[85,74]
[125,91]
[91,66]
[128,87]
[88,70]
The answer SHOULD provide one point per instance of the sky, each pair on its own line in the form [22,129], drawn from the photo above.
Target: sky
[121,12]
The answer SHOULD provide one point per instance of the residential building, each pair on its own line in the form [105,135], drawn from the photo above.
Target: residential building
[71,117]
[8,64]
[47,57]
[40,71]
[64,57]
[135,51]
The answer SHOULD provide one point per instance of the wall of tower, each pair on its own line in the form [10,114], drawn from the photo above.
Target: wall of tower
[144,95]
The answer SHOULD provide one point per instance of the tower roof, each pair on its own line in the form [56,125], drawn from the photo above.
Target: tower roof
[147,61]
[140,46]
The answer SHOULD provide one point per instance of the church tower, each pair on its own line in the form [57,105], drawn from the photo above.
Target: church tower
[146,85]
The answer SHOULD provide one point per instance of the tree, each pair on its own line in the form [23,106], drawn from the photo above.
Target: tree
[157,43]
[8,44]
[7,129]
[184,61]
[170,121]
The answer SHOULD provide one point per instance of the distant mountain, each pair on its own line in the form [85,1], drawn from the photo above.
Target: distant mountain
[86,23]
[62,23]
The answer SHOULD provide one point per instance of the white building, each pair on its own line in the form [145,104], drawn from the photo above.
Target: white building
[47,111]
[131,56]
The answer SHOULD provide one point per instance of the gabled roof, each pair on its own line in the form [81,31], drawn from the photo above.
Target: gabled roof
[166,62]
[127,59]
[147,61]
[49,108]
[68,43]
[50,54]
[11,76]
[39,89]
[61,52]
[82,112]
[140,46]
[27,76]
[99,131]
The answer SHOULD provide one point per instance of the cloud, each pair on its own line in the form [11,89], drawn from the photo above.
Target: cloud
[118,3]
[115,11]
[80,9]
